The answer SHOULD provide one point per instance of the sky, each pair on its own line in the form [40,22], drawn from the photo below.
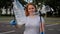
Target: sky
[28,1]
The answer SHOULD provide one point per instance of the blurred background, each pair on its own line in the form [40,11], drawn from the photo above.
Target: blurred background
[6,6]
[50,10]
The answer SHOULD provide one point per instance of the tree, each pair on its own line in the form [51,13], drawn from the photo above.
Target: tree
[6,4]
[55,4]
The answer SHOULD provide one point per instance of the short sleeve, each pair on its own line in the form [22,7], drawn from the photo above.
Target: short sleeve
[41,19]
[21,21]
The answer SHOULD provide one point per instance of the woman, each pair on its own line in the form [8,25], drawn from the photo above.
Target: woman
[32,21]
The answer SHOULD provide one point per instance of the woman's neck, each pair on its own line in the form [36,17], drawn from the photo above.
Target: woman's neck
[32,16]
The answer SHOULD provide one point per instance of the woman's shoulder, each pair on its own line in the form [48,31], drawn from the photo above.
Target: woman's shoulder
[40,17]
[37,16]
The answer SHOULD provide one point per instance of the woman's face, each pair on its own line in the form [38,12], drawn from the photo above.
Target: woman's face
[31,9]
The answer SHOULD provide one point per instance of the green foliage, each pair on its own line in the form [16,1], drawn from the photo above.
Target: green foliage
[5,3]
[53,2]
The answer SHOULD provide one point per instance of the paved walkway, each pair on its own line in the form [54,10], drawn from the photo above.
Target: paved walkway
[49,29]
[5,28]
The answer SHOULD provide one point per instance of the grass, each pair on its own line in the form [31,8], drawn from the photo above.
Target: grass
[52,20]
[6,18]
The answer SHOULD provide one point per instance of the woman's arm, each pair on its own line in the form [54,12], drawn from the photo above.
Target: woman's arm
[42,27]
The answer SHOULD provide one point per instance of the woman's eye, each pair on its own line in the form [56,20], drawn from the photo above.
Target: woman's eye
[29,8]
[32,8]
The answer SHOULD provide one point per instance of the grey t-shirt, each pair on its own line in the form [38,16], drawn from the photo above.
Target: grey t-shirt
[31,24]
